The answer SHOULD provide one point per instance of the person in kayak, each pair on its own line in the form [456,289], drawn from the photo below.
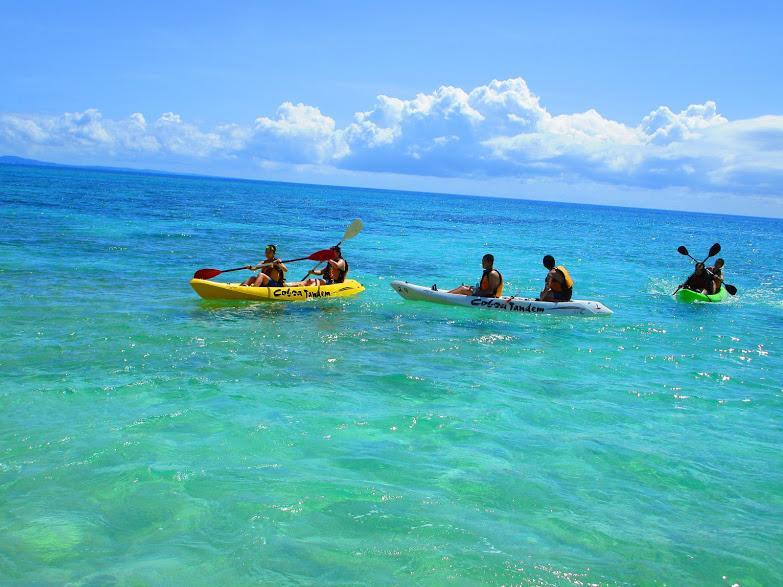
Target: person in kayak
[700,280]
[558,286]
[273,275]
[335,271]
[489,286]
[717,275]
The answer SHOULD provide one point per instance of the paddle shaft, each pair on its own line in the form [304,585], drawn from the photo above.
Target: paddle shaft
[270,263]
[234,269]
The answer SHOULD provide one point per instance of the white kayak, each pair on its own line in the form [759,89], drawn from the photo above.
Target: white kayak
[410,291]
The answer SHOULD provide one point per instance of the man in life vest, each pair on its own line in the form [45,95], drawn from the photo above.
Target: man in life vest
[335,271]
[272,270]
[489,286]
[717,275]
[700,280]
[558,286]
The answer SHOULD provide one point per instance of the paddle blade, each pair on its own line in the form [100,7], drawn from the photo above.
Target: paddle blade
[325,255]
[714,250]
[730,288]
[206,273]
[353,229]
[683,251]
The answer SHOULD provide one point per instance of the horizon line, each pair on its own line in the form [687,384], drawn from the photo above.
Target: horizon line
[27,162]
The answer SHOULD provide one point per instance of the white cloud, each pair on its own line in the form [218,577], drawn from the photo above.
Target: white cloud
[497,130]
[299,134]
[662,126]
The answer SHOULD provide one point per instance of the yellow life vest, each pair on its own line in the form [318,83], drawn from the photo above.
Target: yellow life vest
[558,287]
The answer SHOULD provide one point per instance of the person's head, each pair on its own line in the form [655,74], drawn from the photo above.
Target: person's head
[549,262]
[270,251]
[699,268]
[719,264]
[488,261]
[337,252]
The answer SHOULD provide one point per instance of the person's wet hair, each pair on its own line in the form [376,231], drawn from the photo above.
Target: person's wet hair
[489,257]
[719,263]
[549,261]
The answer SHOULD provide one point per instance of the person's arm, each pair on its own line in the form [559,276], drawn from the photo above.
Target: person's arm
[548,282]
[339,264]
[282,267]
[494,284]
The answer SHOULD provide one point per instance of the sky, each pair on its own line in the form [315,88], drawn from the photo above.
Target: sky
[654,104]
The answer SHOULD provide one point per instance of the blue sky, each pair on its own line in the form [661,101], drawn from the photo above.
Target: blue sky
[576,113]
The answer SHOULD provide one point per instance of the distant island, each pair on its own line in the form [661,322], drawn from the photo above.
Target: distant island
[12,160]
[24,162]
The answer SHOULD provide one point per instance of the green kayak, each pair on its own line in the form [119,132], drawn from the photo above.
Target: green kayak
[689,296]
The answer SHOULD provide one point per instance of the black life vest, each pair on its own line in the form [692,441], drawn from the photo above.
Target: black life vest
[699,282]
[328,272]
[268,271]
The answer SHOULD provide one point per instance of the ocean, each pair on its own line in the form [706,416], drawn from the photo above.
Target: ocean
[149,437]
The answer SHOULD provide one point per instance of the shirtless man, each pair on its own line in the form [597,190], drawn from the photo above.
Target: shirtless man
[717,275]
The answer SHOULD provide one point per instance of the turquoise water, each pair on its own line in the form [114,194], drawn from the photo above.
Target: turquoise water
[148,437]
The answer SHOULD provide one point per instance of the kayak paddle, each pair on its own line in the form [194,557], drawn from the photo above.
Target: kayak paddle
[210,273]
[323,255]
[353,229]
[714,250]
[729,288]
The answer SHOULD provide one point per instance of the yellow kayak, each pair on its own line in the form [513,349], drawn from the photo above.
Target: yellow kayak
[214,290]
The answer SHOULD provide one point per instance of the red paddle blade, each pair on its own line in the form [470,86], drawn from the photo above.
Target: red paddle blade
[325,255]
[206,273]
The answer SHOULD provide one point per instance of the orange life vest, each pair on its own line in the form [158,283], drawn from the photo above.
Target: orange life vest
[484,283]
